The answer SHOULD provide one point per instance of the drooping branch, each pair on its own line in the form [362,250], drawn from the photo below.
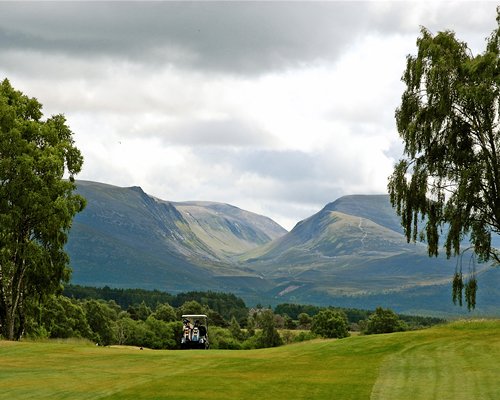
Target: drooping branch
[450,171]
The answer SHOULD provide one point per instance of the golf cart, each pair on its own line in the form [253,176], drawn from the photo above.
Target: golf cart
[194,331]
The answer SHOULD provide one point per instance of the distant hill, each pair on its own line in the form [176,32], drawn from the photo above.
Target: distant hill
[352,253]
[375,208]
[126,238]
[228,230]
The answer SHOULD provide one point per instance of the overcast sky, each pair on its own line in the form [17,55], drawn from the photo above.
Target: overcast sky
[277,108]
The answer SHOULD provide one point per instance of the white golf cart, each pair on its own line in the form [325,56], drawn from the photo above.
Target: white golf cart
[194,331]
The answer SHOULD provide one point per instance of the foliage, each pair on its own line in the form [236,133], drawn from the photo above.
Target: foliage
[222,338]
[224,304]
[163,335]
[165,312]
[289,323]
[106,323]
[450,173]
[62,318]
[37,205]
[304,320]
[330,324]
[140,311]
[384,321]
[414,322]
[251,325]
[294,336]
[293,310]
[304,312]
[102,321]
[269,336]
[192,307]
[123,297]
[235,329]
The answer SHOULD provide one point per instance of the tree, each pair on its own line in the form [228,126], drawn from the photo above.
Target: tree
[250,326]
[102,320]
[449,178]
[192,307]
[139,312]
[304,320]
[37,205]
[384,321]
[330,324]
[269,337]
[235,329]
[61,317]
[165,312]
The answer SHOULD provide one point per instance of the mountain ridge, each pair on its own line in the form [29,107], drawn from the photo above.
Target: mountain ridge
[352,251]
[126,238]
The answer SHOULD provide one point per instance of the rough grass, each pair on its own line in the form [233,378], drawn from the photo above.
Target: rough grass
[456,361]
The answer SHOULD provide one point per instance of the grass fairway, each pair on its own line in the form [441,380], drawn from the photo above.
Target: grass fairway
[456,361]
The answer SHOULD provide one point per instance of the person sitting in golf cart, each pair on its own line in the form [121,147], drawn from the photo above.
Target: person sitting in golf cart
[194,335]
[187,329]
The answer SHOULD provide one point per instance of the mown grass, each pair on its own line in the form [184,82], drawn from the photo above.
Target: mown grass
[455,361]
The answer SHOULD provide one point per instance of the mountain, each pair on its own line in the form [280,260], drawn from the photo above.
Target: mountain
[352,253]
[228,230]
[127,238]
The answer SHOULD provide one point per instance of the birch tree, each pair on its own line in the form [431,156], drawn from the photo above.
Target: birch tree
[448,182]
[37,204]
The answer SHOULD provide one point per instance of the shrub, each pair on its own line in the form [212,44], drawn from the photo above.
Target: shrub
[384,321]
[330,324]
[221,338]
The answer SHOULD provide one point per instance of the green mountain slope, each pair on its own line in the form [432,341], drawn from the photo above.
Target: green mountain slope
[352,253]
[376,208]
[125,237]
[360,259]
[226,229]
[329,234]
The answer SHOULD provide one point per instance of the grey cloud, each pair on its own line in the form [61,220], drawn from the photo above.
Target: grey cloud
[228,37]
[237,37]
[286,165]
[310,173]
[225,132]
[234,37]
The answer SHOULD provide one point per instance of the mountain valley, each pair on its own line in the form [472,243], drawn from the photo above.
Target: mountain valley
[351,253]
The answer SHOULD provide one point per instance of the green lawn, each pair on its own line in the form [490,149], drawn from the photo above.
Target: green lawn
[456,361]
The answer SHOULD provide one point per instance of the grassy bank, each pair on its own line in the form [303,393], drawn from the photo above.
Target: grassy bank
[455,361]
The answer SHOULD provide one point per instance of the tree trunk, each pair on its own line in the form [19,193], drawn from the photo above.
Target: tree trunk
[22,319]
[9,325]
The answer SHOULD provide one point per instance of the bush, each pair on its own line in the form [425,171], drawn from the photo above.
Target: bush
[303,336]
[221,338]
[384,321]
[161,334]
[293,336]
[330,324]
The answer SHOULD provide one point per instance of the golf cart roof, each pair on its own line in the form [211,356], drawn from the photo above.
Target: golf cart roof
[194,316]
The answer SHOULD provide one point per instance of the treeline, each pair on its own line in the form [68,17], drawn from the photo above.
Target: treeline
[151,318]
[354,315]
[123,297]
[225,304]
